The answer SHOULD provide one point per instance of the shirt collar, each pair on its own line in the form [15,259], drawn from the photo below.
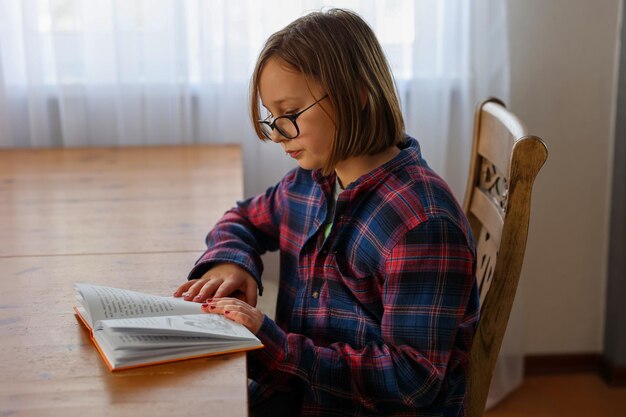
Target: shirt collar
[409,153]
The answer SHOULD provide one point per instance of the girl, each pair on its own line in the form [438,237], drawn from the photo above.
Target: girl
[377,302]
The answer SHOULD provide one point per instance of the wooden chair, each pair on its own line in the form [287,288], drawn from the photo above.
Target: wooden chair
[504,164]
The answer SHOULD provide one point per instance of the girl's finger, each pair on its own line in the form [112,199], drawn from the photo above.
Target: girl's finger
[220,305]
[183,288]
[209,308]
[237,311]
[237,316]
[207,291]
[193,293]
[225,289]
[243,318]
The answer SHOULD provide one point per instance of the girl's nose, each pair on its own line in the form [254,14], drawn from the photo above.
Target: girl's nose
[277,137]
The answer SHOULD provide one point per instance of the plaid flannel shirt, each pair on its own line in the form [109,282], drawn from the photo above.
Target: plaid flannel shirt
[379,317]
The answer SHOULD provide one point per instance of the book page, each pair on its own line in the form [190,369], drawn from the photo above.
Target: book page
[119,356]
[148,339]
[111,303]
[145,342]
[209,325]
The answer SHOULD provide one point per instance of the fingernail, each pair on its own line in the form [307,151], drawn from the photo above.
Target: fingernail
[205,305]
[197,297]
[226,312]
[212,307]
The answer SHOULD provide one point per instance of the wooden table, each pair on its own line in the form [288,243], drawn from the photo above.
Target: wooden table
[127,217]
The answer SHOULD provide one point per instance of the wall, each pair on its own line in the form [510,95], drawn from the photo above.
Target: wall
[563,83]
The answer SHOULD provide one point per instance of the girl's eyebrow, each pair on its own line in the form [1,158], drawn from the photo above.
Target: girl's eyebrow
[280,101]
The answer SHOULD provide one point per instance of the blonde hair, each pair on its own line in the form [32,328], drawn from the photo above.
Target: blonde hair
[340,51]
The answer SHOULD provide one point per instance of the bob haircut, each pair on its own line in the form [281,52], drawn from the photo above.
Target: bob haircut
[338,49]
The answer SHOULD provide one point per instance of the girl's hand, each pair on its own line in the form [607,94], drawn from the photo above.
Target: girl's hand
[237,311]
[220,281]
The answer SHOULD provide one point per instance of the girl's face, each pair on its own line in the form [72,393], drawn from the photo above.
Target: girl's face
[285,91]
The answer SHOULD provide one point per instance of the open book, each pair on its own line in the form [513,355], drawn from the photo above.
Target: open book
[132,329]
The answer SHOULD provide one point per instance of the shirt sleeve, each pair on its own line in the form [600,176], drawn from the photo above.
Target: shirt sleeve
[428,290]
[243,234]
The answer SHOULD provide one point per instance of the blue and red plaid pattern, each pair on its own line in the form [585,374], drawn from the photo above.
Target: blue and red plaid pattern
[377,319]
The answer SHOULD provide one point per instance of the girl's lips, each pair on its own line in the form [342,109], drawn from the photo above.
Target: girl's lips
[293,154]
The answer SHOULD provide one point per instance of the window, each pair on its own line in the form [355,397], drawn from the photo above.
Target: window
[193,42]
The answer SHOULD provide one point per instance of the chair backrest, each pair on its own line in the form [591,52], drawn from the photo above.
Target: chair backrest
[504,164]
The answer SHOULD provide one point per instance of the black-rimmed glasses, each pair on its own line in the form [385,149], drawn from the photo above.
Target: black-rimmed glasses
[286,125]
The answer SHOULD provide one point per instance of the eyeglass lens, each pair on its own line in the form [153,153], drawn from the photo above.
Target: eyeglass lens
[284,125]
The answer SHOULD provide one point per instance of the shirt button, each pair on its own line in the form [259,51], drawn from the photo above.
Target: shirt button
[315,294]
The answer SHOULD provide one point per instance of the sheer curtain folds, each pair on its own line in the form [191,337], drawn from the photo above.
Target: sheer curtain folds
[132,72]
[158,72]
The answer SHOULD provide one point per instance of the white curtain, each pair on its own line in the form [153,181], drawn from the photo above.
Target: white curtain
[154,72]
